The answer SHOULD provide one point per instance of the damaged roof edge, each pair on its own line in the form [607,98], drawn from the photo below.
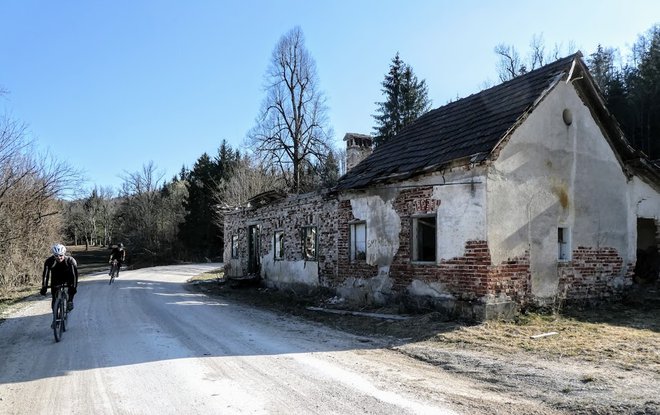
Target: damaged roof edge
[473,159]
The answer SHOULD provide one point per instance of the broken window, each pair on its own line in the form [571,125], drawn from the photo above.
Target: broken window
[234,246]
[309,243]
[279,244]
[358,235]
[563,243]
[424,238]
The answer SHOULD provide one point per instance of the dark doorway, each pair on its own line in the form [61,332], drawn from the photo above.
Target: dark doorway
[647,266]
[254,263]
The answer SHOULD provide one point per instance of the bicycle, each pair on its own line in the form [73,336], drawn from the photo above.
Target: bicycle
[114,270]
[60,310]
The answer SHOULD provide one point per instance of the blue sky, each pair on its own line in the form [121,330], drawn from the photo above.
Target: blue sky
[109,86]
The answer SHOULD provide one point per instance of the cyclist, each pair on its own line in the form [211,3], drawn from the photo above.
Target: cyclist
[63,269]
[118,253]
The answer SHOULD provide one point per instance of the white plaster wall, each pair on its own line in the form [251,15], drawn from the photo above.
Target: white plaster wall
[461,216]
[383,226]
[549,175]
[289,272]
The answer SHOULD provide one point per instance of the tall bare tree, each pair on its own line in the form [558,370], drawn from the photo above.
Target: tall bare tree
[291,130]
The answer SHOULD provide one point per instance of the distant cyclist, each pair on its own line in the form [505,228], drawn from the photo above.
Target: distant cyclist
[118,253]
[61,269]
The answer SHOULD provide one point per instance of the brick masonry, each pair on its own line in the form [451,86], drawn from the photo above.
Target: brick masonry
[592,273]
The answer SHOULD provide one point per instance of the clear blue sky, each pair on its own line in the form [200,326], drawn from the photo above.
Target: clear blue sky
[110,85]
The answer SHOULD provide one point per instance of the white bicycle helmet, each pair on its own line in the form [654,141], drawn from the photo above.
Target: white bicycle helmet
[58,249]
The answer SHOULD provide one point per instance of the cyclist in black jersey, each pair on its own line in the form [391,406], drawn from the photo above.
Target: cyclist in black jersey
[118,253]
[60,269]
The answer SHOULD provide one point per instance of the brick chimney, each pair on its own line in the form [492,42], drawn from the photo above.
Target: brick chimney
[358,146]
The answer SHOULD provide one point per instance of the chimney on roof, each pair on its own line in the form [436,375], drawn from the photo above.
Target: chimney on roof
[358,147]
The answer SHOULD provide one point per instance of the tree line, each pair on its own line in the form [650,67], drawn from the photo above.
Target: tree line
[181,219]
[628,80]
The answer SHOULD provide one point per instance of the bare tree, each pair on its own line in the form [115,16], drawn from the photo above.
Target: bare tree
[90,219]
[149,214]
[140,206]
[511,64]
[249,179]
[30,208]
[291,130]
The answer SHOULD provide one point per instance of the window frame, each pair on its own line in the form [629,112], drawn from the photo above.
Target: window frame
[354,253]
[415,255]
[564,242]
[278,245]
[306,231]
[234,247]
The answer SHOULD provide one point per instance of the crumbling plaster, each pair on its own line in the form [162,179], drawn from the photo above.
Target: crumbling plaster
[383,225]
[278,273]
[460,214]
[550,174]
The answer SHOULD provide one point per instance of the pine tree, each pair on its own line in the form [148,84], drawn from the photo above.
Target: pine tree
[406,98]
[198,233]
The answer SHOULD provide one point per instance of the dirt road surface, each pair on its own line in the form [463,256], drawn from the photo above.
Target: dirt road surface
[146,345]
[149,344]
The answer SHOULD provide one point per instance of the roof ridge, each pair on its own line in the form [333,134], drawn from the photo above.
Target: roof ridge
[459,129]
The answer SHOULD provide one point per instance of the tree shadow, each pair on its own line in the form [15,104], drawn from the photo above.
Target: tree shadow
[138,321]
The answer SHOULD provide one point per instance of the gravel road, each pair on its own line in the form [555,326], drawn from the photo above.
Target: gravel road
[146,345]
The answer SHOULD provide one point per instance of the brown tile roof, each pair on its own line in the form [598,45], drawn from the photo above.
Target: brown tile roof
[469,127]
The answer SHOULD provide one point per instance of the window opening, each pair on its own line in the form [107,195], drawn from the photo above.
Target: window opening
[424,239]
[358,248]
[279,244]
[563,243]
[309,243]
[234,246]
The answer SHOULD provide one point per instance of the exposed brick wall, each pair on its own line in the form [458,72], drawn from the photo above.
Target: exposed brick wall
[590,273]
[345,267]
[511,278]
[290,215]
[472,275]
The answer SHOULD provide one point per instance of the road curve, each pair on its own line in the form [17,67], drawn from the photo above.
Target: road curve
[147,345]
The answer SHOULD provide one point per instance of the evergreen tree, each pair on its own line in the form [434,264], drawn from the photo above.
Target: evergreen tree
[201,233]
[406,98]
[414,97]
[644,93]
[330,171]
[198,233]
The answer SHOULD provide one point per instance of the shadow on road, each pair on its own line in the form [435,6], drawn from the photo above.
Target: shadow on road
[139,321]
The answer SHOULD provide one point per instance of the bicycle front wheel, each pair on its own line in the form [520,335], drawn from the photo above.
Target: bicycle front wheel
[58,319]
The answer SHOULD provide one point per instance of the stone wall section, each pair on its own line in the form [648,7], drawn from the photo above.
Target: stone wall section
[289,215]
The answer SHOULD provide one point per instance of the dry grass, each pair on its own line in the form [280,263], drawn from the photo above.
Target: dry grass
[591,341]
[216,275]
[626,335]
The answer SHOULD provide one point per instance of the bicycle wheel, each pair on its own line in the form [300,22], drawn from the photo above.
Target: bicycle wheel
[113,273]
[58,322]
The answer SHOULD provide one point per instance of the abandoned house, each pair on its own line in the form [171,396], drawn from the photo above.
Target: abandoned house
[524,194]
